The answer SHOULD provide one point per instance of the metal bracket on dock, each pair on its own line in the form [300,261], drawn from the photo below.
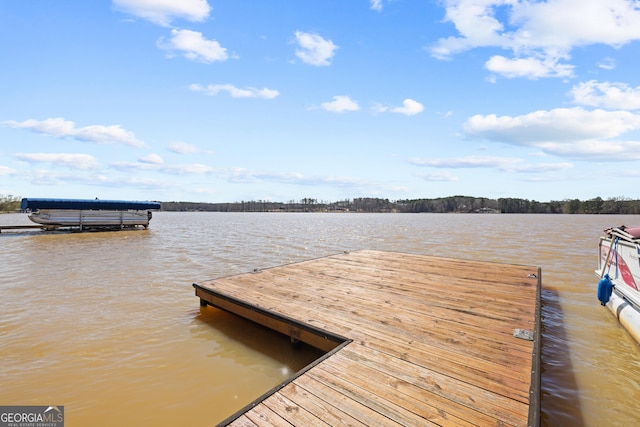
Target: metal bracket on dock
[523,334]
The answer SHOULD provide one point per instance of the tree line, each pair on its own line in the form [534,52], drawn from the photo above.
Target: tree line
[452,204]
[9,203]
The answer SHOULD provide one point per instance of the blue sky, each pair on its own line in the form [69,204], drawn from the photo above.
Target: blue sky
[222,101]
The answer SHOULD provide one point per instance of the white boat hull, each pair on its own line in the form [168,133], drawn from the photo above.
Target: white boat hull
[620,260]
[91,218]
[627,314]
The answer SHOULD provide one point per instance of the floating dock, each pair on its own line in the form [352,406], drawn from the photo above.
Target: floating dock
[25,227]
[410,340]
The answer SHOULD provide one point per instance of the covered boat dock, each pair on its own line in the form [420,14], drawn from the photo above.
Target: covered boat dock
[86,204]
[86,214]
[410,340]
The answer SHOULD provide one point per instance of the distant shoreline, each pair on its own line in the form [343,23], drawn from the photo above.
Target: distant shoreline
[453,204]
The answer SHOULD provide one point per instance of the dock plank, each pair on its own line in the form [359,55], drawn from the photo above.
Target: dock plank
[243,421]
[433,406]
[371,399]
[262,415]
[429,340]
[456,393]
[286,408]
[356,408]
[319,407]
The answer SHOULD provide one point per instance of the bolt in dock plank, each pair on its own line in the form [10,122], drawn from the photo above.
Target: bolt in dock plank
[411,339]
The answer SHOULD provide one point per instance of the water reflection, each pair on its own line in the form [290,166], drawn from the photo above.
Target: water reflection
[249,359]
[251,338]
[560,398]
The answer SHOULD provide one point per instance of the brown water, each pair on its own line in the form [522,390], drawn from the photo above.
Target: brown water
[107,324]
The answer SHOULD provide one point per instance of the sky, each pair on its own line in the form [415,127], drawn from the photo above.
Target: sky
[226,101]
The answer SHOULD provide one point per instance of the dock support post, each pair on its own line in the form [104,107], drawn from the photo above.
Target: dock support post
[203,303]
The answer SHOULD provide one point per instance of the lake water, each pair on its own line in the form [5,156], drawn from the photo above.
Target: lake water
[107,323]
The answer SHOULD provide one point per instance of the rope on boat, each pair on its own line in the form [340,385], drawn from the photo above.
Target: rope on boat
[615,253]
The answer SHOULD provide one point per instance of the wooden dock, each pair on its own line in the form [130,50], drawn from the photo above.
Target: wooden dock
[411,340]
[53,227]
[25,227]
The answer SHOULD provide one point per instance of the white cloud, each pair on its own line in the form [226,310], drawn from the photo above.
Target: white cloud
[91,178]
[466,162]
[61,128]
[241,176]
[568,132]
[376,5]
[190,169]
[57,127]
[439,177]
[162,12]
[532,68]
[313,49]
[596,150]
[152,159]
[146,165]
[300,179]
[409,108]
[235,92]
[183,148]
[245,176]
[607,64]
[136,166]
[556,25]
[541,167]
[106,135]
[194,46]
[540,34]
[561,124]
[340,104]
[4,171]
[74,161]
[607,95]
[505,164]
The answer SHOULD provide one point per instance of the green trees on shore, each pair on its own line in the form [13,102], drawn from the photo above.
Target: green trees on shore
[452,204]
[9,203]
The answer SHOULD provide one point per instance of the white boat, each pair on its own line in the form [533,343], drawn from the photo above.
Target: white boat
[619,272]
[88,214]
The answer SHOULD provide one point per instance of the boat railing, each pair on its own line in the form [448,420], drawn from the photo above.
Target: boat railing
[625,233]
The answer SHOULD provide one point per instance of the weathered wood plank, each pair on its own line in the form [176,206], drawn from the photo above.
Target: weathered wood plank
[454,395]
[261,415]
[293,412]
[344,403]
[368,397]
[242,421]
[319,407]
[432,407]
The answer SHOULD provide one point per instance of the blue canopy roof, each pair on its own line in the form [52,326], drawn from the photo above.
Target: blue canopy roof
[85,204]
